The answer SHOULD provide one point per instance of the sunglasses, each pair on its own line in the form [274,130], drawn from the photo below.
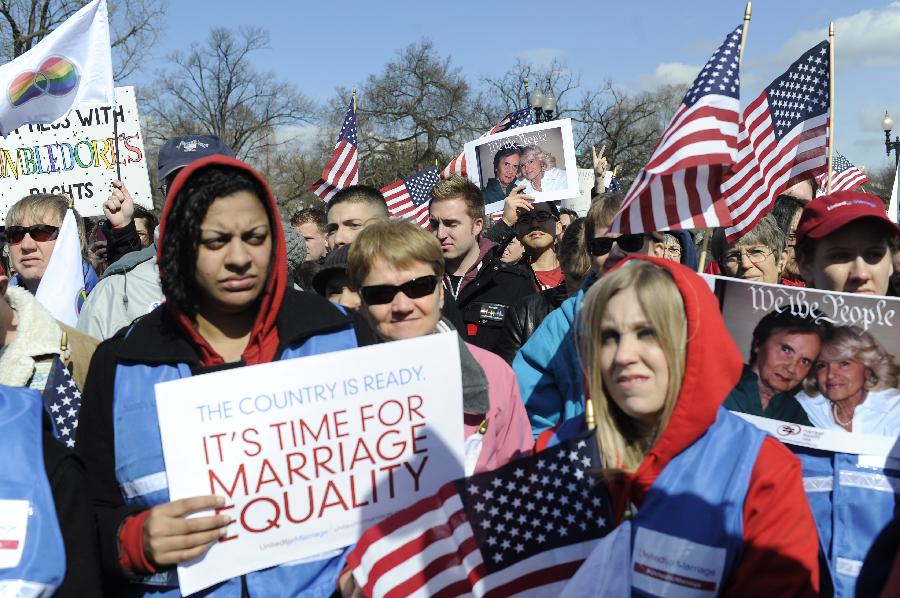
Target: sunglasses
[416,288]
[38,232]
[628,243]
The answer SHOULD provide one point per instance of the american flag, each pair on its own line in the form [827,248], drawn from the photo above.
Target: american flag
[846,176]
[527,525]
[679,186]
[783,140]
[62,399]
[409,199]
[342,170]
[614,186]
[513,120]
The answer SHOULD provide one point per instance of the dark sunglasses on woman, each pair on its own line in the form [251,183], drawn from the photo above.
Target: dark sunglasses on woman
[379,294]
[38,232]
[628,243]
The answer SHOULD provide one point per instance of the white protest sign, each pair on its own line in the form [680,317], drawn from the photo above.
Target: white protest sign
[76,155]
[311,452]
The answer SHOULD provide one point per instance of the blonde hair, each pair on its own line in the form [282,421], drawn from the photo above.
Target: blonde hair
[457,187]
[623,444]
[400,243]
[851,343]
[39,205]
[547,159]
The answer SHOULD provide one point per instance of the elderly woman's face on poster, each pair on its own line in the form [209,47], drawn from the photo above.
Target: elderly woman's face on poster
[838,376]
[531,165]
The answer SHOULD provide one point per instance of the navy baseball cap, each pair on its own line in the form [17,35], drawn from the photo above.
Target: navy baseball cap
[178,152]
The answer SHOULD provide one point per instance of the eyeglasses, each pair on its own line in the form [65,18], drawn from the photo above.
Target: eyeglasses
[379,294]
[38,232]
[673,250]
[540,218]
[628,243]
[756,256]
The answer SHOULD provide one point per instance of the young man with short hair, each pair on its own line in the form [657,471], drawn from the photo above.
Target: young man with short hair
[350,211]
[312,223]
[483,286]
[844,243]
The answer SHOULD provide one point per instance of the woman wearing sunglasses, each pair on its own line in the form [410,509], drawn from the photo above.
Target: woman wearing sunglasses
[32,225]
[397,268]
[223,269]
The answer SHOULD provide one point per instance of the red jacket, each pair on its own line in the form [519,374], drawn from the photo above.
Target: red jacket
[781,547]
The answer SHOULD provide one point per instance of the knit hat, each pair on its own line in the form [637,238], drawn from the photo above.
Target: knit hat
[335,262]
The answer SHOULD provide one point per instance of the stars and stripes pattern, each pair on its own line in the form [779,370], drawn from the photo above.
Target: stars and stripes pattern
[845,176]
[679,186]
[518,118]
[783,140]
[409,198]
[62,399]
[527,525]
[342,170]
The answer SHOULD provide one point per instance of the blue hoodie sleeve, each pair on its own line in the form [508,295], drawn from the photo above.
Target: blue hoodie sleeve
[549,371]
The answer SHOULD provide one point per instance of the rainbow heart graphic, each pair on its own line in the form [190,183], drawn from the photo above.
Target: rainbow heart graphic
[56,76]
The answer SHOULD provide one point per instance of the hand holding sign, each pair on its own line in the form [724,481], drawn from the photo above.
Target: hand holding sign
[119,208]
[515,201]
[170,538]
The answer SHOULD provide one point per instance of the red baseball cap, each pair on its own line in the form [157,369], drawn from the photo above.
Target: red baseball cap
[824,215]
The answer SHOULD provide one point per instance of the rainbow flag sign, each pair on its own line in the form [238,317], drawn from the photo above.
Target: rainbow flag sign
[71,66]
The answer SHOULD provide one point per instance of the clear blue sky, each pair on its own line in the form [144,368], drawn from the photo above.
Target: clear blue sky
[320,45]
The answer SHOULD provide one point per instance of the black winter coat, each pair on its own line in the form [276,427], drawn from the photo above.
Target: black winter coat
[524,317]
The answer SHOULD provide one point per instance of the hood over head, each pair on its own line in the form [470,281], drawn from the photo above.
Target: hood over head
[713,366]
[263,343]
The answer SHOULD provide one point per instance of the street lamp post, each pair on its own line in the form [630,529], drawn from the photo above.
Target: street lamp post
[887,124]
[543,103]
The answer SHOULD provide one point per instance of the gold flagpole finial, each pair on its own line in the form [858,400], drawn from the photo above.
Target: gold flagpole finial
[747,11]
[589,417]
[64,342]
[70,201]
[354,99]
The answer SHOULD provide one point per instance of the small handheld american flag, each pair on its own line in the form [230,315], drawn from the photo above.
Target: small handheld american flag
[845,176]
[62,399]
[679,186]
[409,198]
[783,140]
[342,170]
[507,532]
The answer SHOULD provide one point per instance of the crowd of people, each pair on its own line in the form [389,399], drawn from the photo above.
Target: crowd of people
[553,313]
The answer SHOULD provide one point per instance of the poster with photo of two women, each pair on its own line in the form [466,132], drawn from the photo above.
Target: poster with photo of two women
[825,364]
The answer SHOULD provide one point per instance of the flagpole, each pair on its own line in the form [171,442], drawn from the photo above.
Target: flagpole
[830,103]
[354,100]
[707,232]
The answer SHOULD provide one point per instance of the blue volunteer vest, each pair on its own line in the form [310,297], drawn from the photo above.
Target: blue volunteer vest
[42,564]
[140,471]
[851,505]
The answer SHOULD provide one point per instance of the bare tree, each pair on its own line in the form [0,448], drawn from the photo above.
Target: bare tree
[413,113]
[135,26]
[213,88]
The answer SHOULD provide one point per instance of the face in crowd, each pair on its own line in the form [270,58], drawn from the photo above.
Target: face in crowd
[856,258]
[538,229]
[31,244]
[755,262]
[633,364]
[608,249]
[234,253]
[508,169]
[316,240]
[347,219]
[402,301]
[513,251]
[454,228]
[785,358]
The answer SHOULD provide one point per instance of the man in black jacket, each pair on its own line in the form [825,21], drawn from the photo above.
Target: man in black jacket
[483,286]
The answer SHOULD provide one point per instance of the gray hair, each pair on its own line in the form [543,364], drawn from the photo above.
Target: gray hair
[766,232]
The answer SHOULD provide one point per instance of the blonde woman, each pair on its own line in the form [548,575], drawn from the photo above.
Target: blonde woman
[697,481]
[540,172]
[853,386]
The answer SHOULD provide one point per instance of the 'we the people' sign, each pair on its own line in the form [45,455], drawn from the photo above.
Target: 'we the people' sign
[310,452]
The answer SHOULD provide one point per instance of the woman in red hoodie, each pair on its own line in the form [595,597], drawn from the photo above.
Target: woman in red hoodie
[714,505]
[223,270]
